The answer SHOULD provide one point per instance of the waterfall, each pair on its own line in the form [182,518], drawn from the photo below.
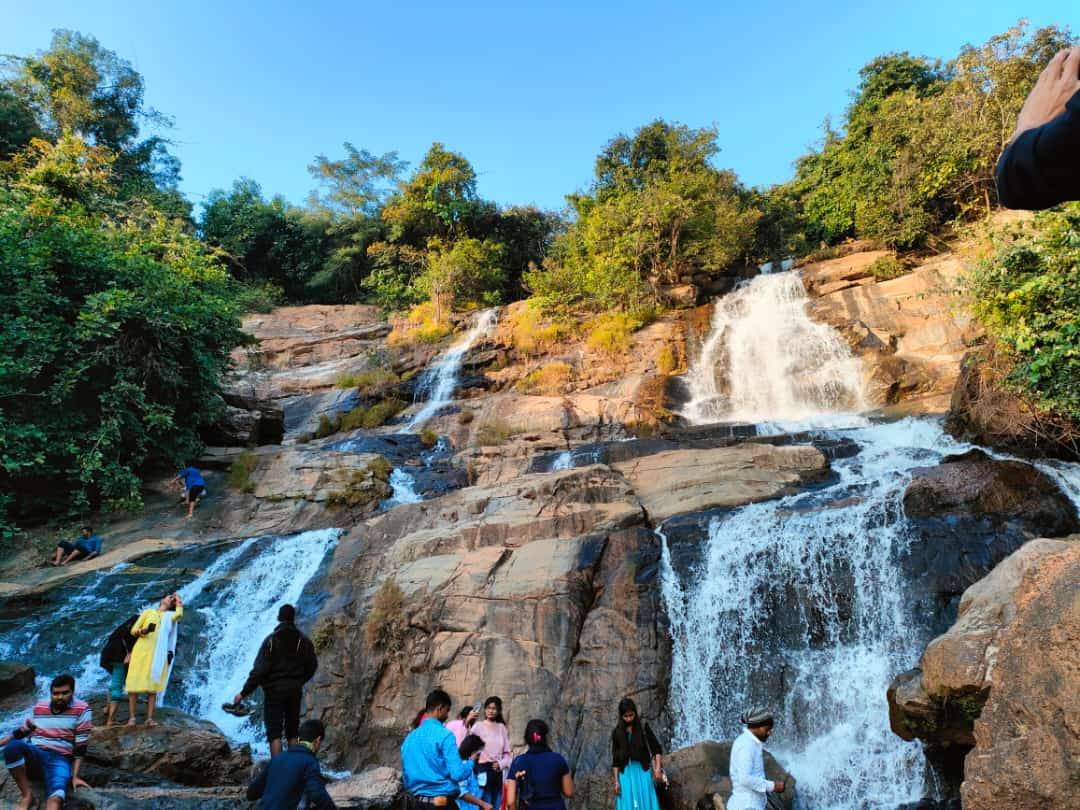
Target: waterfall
[803,597]
[231,596]
[439,380]
[563,461]
[765,360]
[402,489]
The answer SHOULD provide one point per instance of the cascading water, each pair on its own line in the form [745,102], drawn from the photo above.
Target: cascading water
[766,361]
[803,598]
[436,390]
[231,598]
[437,384]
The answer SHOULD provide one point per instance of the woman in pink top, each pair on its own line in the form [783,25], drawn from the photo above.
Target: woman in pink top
[464,723]
[496,756]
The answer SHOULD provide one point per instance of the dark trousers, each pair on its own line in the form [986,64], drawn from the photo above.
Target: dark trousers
[426,803]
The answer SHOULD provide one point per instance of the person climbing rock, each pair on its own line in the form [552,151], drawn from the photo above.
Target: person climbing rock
[749,787]
[194,487]
[115,657]
[52,740]
[636,760]
[469,790]
[294,775]
[432,768]
[496,756]
[152,656]
[86,547]
[1041,165]
[539,779]
[285,662]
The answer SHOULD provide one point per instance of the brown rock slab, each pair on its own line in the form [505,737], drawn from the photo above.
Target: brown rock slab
[700,773]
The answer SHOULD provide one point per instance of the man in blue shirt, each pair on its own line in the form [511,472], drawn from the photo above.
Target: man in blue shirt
[431,765]
[294,775]
[88,546]
[194,487]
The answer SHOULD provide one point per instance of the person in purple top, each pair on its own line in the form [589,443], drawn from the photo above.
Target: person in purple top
[194,487]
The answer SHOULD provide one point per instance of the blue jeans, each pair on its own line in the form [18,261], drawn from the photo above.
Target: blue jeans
[54,767]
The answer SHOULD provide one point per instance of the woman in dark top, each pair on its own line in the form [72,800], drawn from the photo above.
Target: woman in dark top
[636,761]
[539,778]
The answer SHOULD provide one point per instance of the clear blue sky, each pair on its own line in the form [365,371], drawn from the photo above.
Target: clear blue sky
[528,92]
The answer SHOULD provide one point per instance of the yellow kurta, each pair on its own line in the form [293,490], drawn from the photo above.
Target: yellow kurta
[139,678]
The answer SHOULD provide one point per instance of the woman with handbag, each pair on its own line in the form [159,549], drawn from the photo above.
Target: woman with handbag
[539,779]
[636,761]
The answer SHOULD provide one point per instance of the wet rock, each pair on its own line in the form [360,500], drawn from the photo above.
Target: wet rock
[700,777]
[1027,742]
[181,749]
[374,789]
[680,481]
[1013,647]
[15,678]
[970,512]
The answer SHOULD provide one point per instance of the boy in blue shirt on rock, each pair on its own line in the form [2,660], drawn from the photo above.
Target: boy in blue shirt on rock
[86,547]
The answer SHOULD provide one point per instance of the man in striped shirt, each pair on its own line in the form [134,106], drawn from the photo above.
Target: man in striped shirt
[53,740]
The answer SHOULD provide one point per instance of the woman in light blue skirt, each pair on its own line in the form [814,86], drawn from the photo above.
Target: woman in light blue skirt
[636,761]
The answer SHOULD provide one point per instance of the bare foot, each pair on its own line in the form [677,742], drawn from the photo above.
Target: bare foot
[131,723]
[151,723]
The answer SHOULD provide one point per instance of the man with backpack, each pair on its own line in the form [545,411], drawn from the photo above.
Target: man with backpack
[286,661]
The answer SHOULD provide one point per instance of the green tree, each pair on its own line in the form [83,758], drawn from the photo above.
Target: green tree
[17,123]
[118,327]
[467,272]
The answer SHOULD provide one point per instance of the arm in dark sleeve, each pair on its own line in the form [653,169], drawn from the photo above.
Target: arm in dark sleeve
[654,744]
[311,660]
[259,671]
[257,787]
[1041,168]
[315,790]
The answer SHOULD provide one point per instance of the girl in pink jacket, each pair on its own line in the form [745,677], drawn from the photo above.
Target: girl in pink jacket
[496,756]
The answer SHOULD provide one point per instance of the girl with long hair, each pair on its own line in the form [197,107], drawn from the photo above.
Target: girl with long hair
[636,761]
[496,756]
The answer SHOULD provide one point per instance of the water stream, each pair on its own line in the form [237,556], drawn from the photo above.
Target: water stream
[231,594]
[766,362]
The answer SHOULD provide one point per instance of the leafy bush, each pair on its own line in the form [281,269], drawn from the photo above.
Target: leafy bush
[493,434]
[117,329]
[428,437]
[387,623]
[465,417]
[423,325]
[255,297]
[886,267]
[531,336]
[352,419]
[328,425]
[241,469]
[368,383]
[610,334]
[1028,297]
[549,379]
[665,361]
[365,487]
[382,412]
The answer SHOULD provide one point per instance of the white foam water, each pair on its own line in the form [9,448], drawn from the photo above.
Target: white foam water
[402,489]
[765,360]
[824,567]
[437,384]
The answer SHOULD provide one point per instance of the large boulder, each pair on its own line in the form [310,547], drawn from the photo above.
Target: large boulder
[700,776]
[1004,679]
[377,788]
[1027,739]
[15,678]
[970,512]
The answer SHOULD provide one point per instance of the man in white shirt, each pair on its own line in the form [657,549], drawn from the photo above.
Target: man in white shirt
[747,767]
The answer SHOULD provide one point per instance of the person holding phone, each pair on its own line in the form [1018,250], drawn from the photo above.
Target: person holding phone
[464,723]
[152,655]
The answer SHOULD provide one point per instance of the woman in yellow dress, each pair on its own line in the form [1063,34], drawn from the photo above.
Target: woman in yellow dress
[151,658]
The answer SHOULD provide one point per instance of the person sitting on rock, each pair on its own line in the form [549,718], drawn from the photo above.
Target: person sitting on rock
[86,547]
[285,662]
[1041,165]
[294,775]
[53,741]
[194,487]
[469,789]
[432,768]
[115,657]
[747,767]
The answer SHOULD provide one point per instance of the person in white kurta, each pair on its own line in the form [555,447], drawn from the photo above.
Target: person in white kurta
[747,767]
